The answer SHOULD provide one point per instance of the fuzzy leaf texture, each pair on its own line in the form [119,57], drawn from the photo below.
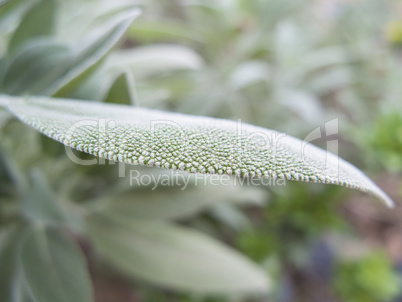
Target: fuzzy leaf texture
[194,144]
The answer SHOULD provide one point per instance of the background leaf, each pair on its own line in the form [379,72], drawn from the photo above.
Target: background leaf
[54,268]
[159,30]
[5,116]
[92,49]
[154,59]
[174,257]
[12,283]
[122,90]
[44,66]
[39,21]
[167,203]
[35,66]
[40,204]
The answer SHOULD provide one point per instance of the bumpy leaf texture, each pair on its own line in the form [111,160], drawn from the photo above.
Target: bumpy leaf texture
[194,144]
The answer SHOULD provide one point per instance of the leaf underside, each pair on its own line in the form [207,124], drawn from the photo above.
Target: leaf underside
[194,144]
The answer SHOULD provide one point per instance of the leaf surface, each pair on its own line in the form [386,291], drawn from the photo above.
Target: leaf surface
[5,116]
[12,286]
[91,50]
[163,203]
[54,268]
[194,144]
[175,257]
[39,202]
[122,90]
[35,66]
[154,59]
[38,22]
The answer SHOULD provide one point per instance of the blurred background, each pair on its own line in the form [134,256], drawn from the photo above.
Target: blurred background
[288,65]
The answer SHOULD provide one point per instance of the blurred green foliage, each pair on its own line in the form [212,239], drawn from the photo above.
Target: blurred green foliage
[386,140]
[354,279]
[289,222]
[287,65]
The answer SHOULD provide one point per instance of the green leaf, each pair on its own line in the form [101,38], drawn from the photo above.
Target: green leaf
[154,59]
[173,204]
[38,22]
[12,283]
[12,176]
[5,116]
[47,67]
[175,257]
[189,143]
[231,216]
[91,50]
[35,66]
[156,30]
[54,268]
[122,90]
[249,73]
[94,87]
[10,13]
[40,204]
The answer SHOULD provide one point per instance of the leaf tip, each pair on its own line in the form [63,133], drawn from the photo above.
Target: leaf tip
[133,13]
[388,201]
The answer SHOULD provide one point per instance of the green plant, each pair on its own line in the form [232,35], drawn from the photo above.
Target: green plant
[360,274]
[52,210]
[187,143]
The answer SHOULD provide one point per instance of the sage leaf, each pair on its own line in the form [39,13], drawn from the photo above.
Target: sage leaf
[46,67]
[91,50]
[151,31]
[39,21]
[122,90]
[175,257]
[12,284]
[174,203]
[194,144]
[5,117]
[54,268]
[40,204]
[154,59]
[35,66]
[10,12]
